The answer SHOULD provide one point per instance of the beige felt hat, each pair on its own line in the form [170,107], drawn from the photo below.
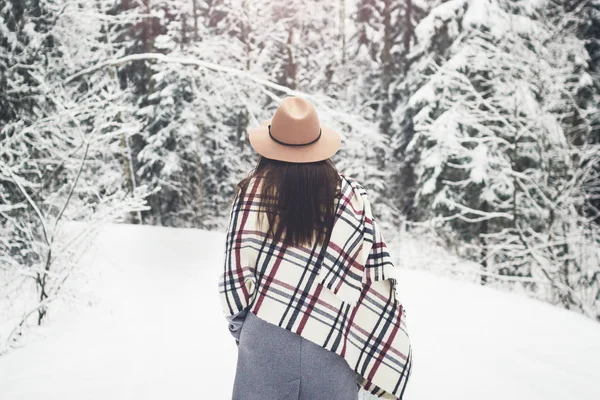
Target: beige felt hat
[295,134]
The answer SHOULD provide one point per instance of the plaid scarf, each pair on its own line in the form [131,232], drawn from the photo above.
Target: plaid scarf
[341,296]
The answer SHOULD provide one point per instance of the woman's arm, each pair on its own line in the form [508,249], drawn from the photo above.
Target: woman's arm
[379,303]
[237,281]
[235,324]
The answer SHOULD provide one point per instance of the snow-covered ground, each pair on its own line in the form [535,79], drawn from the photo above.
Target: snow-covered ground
[156,331]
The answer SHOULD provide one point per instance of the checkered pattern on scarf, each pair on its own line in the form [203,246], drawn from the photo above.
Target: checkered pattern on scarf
[341,296]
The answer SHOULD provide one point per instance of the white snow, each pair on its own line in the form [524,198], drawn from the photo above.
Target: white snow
[444,14]
[157,332]
[480,164]
[490,14]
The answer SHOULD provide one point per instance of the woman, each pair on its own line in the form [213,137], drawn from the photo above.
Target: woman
[307,285]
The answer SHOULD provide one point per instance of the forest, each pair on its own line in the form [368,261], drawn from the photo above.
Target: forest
[475,123]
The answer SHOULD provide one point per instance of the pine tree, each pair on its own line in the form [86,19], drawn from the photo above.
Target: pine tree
[497,139]
[383,44]
[192,126]
[589,23]
[386,30]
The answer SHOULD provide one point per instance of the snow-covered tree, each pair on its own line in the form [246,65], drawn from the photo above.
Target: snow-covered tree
[61,153]
[498,160]
[588,20]
[382,38]
[386,33]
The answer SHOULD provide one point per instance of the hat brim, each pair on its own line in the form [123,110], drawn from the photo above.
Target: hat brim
[324,148]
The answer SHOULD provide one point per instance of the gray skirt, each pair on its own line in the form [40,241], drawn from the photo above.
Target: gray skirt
[276,364]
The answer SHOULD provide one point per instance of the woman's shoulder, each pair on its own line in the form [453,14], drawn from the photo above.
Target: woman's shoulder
[352,184]
[248,186]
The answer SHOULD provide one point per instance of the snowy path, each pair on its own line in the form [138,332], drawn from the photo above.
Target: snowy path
[157,332]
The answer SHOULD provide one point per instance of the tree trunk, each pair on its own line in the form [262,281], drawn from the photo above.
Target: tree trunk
[195,8]
[290,69]
[387,73]
[408,33]
[343,29]
[483,231]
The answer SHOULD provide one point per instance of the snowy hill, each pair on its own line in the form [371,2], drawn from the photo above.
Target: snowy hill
[156,332]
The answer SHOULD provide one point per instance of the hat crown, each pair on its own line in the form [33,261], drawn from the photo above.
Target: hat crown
[295,122]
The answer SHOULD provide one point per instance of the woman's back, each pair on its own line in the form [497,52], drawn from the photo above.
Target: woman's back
[340,295]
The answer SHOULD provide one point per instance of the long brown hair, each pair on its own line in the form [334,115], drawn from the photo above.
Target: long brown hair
[298,199]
